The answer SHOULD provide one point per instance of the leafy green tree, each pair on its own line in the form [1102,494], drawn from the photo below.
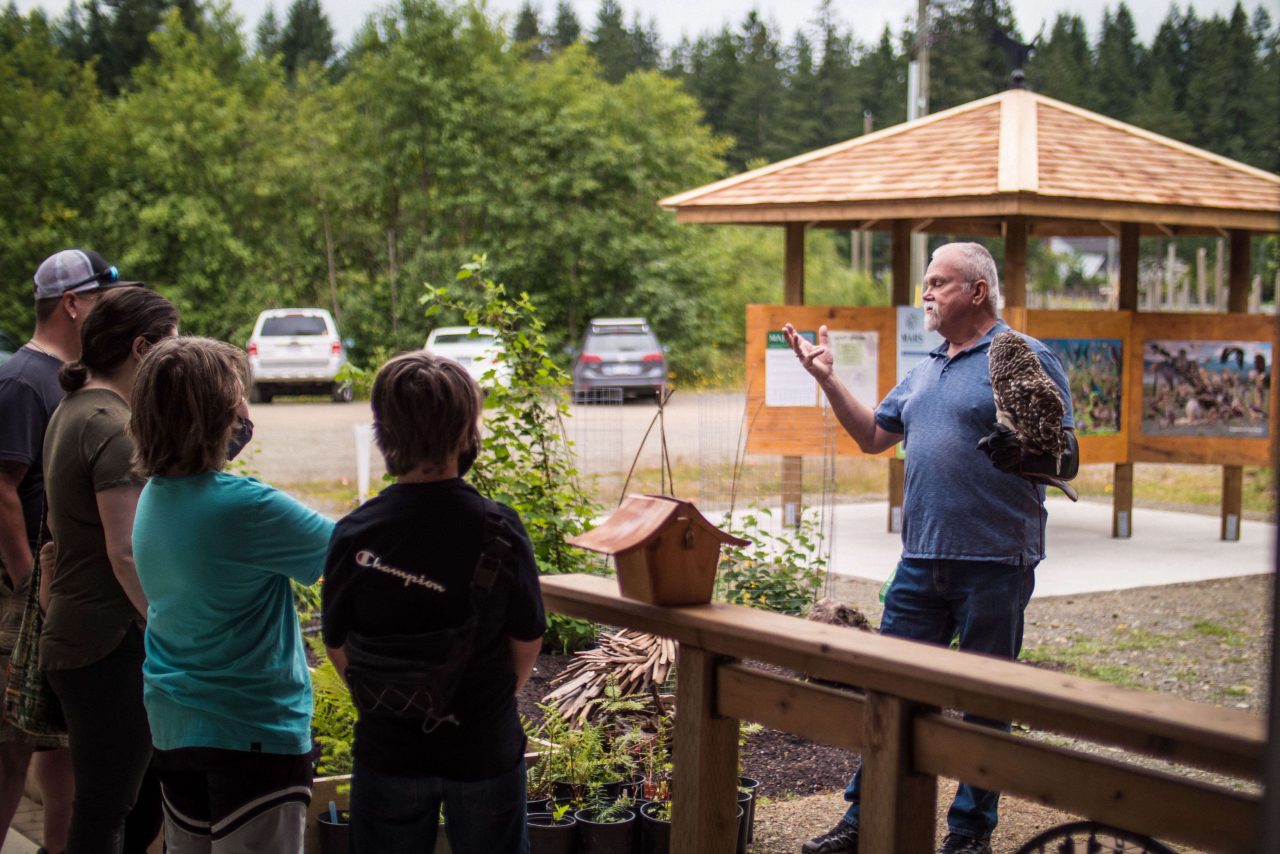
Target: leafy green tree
[307,36]
[1222,96]
[566,29]
[646,44]
[54,149]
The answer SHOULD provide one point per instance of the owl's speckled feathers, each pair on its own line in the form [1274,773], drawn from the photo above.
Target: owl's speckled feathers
[1027,400]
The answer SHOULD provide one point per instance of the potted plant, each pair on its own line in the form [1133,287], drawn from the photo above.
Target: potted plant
[606,827]
[552,832]
[655,827]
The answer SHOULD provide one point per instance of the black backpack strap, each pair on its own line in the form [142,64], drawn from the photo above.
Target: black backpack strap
[495,552]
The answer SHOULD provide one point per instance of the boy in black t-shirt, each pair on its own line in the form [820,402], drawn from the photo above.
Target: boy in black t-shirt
[399,579]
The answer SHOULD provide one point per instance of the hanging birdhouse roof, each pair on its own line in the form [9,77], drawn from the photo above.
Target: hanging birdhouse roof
[1016,153]
[640,520]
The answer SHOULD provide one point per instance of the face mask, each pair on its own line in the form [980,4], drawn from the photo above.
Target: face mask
[239,438]
[467,458]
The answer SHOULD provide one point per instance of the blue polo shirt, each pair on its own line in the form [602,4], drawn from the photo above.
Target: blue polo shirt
[957,505]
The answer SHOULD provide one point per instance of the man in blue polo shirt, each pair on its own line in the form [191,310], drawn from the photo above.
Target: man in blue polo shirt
[972,524]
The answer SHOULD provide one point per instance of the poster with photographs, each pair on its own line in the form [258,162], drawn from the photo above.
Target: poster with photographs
[1206,388]
[1093,372]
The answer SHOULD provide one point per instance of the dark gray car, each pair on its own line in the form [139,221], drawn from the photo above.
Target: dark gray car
[622,354]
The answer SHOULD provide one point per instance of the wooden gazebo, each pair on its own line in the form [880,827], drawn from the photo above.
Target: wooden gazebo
[1015,165]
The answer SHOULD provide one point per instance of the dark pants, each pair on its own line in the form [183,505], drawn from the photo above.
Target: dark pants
[982,604]
[110,750]
[399,815]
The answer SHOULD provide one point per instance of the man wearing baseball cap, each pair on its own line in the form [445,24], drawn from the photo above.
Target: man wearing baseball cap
[67,284]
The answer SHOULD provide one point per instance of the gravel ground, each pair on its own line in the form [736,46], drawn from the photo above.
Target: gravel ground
[1207,641]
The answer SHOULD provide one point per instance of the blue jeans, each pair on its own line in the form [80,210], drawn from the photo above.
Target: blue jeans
[399,815]
[982,603]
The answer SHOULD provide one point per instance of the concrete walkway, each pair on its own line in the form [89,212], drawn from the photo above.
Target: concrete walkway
[1166,548]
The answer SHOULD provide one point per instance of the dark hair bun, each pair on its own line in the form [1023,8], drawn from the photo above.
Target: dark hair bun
[73,375]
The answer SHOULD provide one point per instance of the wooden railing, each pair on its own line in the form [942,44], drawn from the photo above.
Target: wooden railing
[905,741]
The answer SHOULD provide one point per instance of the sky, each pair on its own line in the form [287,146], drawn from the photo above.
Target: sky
[694,17]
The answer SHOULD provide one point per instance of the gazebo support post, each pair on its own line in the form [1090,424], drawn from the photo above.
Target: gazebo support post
[1015,262]
[793,294]
[1122,482]
[1237,303]
[901,296]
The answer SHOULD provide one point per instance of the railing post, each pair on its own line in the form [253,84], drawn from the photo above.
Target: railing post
[899,805]
[705,755]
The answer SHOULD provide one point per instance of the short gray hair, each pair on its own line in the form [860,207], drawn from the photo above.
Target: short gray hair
[974,262]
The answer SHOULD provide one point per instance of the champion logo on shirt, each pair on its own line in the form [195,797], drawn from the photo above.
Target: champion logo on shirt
[369,560]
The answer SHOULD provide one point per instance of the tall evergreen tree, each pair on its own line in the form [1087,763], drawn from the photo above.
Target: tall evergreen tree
[1172,52]
[646,44]
[839,95]
[528,31]
[1119,68]
[882,76]
[1221,96]
[1157,110]
[1061,65]
[566,29]
[964,60]
[756,110]
[267,35]
[307,36]
[713,76]
[610,43]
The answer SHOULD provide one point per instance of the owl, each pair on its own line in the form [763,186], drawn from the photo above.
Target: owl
[1028,402]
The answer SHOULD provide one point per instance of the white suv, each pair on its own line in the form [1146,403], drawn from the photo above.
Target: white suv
[296,351]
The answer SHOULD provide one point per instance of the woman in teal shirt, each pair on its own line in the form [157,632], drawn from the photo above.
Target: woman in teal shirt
[226,685]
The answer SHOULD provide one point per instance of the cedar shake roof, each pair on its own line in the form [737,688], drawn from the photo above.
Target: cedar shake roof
[1016,153]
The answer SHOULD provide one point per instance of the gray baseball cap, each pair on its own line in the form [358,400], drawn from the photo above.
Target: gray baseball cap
[76,270]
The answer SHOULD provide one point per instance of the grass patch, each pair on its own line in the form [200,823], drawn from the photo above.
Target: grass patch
[1210,629]
[1181,486]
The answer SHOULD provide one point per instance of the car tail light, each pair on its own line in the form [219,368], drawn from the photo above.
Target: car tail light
[253,348]
[651,357]
[336,348]
[589,359]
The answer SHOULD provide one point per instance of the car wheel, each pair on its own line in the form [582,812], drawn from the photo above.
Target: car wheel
[257,395]
[342,392]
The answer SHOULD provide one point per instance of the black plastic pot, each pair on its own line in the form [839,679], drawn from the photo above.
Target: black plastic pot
[595,837]
[744,828]
[549,835]
[333,835]
[537,805]
[750,785]
[655,834]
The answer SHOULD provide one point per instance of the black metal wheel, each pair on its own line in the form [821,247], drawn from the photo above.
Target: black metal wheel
[1091,837]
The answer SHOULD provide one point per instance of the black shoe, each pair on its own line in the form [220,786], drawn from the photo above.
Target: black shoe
[958,844]
[841,839]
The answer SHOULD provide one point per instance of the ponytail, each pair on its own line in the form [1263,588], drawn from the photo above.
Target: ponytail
[73,375]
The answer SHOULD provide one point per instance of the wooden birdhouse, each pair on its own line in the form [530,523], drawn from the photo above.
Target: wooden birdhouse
[666,552]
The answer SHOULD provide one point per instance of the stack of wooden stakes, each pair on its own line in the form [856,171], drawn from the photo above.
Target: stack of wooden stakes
[638,663]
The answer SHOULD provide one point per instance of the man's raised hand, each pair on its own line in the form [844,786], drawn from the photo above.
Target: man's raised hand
[817,360]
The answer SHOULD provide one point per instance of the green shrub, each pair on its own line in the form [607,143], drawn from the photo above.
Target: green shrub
[778,572]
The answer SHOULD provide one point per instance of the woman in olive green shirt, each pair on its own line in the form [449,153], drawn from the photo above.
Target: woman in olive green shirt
[91,645]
